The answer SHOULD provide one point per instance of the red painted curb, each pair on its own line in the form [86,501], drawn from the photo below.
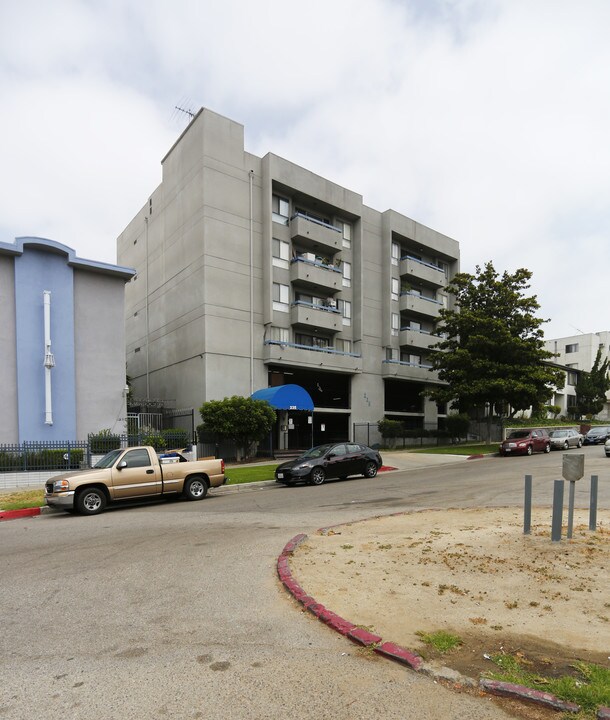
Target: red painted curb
[395,652]
[475,457]
[364,637]
[14,514]
[504,689]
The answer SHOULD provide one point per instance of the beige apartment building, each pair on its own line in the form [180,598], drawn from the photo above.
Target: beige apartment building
[253,272]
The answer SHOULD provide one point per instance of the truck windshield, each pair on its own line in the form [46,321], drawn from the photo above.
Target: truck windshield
[108,459]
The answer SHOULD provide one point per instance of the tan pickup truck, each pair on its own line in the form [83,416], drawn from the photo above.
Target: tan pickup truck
[133,473]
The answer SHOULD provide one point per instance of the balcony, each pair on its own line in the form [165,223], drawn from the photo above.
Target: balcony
[408,371]
[315,235]
[415,303]
[304,356]
[316,276]
[315,316]
[418,339]
[422,271]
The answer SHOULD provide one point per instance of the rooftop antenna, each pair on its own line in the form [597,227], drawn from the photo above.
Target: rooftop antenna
[182,109]
[575,328]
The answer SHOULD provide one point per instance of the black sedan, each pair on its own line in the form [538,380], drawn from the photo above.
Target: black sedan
[334,460]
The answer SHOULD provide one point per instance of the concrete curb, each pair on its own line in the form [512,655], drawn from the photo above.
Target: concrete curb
[24,512]
[402,655]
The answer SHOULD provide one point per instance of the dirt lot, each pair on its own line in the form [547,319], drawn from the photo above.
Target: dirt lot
[472,573]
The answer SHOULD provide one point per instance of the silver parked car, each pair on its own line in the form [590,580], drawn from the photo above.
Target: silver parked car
[607,448]
[564,439]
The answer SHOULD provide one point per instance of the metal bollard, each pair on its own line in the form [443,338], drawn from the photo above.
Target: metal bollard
[557,511]
[593,504]
[527,506]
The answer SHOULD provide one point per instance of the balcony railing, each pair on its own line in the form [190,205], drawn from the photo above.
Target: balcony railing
[421,297]
[418,338]
[324,308]
[422,271]
[315,220]
[316,316]
[319,236]
[317,263]
[330,350]
[402,369]
[320,277]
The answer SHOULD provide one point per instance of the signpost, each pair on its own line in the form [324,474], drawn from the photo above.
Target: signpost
[573,470]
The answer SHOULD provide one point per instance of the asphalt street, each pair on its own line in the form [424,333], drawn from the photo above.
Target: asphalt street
[174,610]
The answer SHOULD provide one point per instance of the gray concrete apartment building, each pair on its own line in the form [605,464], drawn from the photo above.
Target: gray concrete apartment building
[254,272]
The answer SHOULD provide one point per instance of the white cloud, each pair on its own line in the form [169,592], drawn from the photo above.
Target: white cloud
[484,120]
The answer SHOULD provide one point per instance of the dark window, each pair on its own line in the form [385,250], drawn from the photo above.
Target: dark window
[137,458]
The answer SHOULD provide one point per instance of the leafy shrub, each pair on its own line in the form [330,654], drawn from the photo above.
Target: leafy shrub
[104,441]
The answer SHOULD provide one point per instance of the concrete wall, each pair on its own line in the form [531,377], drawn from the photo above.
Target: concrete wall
[99,332]
[35,272]
[8,353]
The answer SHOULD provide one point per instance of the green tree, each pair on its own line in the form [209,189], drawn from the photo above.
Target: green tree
[493,350]
[457,425]
[391,430]
[241,419]
[592,387]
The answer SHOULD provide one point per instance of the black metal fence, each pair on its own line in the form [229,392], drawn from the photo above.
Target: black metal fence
[426,434]
[34,456]
[71,455]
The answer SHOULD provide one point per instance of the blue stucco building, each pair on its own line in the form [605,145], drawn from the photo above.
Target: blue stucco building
[62,343]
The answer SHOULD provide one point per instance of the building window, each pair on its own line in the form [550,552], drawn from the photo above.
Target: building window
[343,345]
[281,297]
[572,378]
[395,323]
[346,233]
[280,208]
[395,253]
[571,401]
[411,359]
[346,311]
[281,253]
[312,341]
[281,335]
[572,348]
[391,354]
[395,288]
[347,274]
[315,301]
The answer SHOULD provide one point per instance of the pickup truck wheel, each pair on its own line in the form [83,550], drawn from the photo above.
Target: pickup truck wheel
[195,488]
[90,501]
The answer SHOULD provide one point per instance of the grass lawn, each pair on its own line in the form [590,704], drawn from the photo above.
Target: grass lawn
[254,473]
[477,449]
[20,499]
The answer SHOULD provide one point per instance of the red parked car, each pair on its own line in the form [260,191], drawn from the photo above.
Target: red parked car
[525,442]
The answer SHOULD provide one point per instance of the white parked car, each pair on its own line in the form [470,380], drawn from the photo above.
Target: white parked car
[565,438]
[607,448]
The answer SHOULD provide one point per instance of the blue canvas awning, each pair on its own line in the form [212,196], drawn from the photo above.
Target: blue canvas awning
[285,397]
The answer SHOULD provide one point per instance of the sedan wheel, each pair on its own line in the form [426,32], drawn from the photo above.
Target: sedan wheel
[529,450]
[370,469]
[566,445]
[547,448]
[317,476]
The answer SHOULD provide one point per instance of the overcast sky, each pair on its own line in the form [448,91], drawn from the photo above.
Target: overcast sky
[487,120]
